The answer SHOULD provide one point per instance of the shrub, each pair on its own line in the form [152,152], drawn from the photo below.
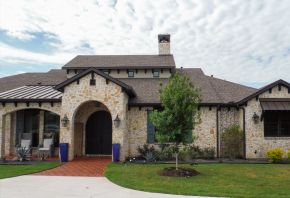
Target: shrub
[232,138]
[275,155]
[208,153]
[288,154]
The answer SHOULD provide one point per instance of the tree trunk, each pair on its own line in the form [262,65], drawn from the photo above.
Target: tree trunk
[176,161]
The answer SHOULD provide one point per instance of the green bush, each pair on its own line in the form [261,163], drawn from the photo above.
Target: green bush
[232,138]
[275,155]
[208,153]
[288,154]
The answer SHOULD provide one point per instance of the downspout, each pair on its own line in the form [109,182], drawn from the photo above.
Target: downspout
[217,133]
[244,130]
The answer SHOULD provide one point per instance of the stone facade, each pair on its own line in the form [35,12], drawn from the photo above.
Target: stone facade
[79,102]
[137,128]
[107,93]
[256,144]
[205,128]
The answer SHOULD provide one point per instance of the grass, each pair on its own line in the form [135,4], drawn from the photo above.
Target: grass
[17,170]
[228,180]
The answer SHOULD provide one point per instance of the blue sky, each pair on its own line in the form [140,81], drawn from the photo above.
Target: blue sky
[243,41]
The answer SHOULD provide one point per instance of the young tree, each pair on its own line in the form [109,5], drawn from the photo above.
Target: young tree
[174,123]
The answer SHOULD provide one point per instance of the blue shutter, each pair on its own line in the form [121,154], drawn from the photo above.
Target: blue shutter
[19,125]
[150,129]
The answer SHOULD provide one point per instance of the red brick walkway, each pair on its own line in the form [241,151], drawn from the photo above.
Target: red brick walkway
[85,166]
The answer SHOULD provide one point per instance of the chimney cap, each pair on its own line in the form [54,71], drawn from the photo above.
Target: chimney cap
[162,38]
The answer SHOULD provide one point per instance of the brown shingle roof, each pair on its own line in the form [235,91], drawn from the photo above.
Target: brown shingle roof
[121,61]
[213,90]
[52,77]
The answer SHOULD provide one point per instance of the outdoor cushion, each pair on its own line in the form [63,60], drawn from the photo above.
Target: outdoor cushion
[25,143]
[47,143]
[44,149]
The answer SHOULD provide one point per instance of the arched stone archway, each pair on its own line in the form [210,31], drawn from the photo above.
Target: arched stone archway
[104,92]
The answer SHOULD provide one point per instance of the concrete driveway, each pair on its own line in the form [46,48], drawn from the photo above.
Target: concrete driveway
[58,186]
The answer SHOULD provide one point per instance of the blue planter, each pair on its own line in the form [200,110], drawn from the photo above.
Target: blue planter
[116,152]
[63,149]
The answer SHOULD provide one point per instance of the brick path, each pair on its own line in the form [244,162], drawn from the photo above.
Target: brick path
[85,166]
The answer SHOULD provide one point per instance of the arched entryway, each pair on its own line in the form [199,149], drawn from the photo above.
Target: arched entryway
[99,134]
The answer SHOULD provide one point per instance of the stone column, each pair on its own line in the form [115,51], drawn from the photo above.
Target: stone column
[2,136]
[41,126]
[7,133]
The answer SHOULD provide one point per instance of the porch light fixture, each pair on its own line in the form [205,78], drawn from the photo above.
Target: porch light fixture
[117,121]
[65,121]
[255,118]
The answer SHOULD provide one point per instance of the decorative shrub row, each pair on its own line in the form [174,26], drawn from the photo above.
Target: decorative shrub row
[166,152]
[276,155]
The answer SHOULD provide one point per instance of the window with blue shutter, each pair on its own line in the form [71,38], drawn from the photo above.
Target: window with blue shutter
[150,129]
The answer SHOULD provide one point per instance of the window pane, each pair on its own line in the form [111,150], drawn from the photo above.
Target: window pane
[131,73]
[270,124]
[156,74]
[31,125]
[285,124]
[277,124]
[51,125]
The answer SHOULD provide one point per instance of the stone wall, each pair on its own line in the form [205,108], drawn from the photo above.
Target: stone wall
[205,128]
[109,94]
[256,144]
[137,128]
[227,117]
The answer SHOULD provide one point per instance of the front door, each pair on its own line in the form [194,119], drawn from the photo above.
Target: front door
[99,134]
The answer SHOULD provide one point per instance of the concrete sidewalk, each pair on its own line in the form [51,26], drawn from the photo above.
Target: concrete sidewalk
[61,187]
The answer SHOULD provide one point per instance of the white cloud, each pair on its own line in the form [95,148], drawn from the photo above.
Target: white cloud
[240,40]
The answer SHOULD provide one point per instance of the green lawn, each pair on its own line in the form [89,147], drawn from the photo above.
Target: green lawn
[16,170]
[230,180]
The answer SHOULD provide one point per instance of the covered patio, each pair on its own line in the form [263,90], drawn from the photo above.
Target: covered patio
[29,111]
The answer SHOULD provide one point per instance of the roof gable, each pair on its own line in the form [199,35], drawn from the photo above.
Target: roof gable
[264,89]
[128,89]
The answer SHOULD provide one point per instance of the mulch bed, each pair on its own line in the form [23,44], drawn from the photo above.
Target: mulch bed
[181,172]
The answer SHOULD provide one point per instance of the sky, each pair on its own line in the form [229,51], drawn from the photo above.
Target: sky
[244,41]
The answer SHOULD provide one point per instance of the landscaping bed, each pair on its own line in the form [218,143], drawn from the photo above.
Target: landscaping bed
[227,180]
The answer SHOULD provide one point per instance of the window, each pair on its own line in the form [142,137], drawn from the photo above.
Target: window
[28,122]
[277,124]
[131,73]
[156,73]
[51,125]
[150,129]
[106,71]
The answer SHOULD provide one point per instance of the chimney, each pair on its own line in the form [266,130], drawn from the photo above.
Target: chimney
[164,44]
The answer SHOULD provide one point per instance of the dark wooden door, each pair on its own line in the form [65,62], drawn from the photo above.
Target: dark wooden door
[99,134]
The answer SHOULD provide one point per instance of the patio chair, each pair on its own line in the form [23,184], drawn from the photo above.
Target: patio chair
[24,150]
[47,148]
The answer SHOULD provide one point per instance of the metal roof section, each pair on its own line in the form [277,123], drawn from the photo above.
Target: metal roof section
[30,93]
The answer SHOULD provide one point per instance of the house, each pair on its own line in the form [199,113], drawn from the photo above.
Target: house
[97,100]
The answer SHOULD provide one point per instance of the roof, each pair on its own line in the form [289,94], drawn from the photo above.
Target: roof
[275,104]
[52,77]
[214,90]
[129,90]
[265,88]
[121,61]
[32,93]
